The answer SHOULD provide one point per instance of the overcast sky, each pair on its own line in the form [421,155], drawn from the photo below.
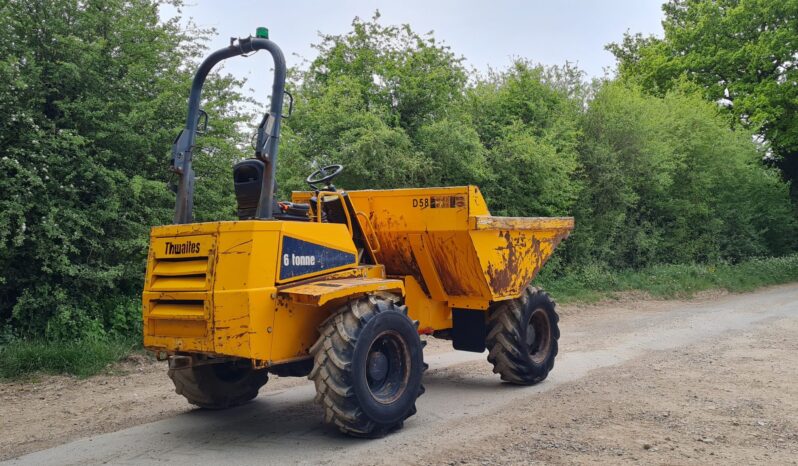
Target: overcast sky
[486,33]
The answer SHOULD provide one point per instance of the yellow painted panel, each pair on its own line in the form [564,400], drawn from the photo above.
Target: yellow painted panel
[188,283]
[426,264]
[511,258]
[183,230]
[231,322]
[242,321]
[467,302]
[248,225]
[319,293]
[179,328]
[245,259]
[295,329]
[414,210]
[458,266]
[193,310]
[177,321]
[262,304]
[431,314]
[181,267]
[476,203]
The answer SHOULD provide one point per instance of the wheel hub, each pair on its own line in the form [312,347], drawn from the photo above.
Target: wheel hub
[377,366]
[530,336]
[538,335]
[387,367]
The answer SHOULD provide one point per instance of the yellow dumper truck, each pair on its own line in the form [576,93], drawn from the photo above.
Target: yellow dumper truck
[338,285]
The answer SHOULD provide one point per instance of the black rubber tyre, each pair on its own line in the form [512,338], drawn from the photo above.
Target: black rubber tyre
[522,337]
[219,386]
[368,365]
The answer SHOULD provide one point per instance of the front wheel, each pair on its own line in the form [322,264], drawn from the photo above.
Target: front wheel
[368,365]
[522,337]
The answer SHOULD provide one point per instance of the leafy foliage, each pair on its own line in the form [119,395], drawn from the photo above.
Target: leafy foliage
[666,181]
[743,53]
[594,283]
[82,358]
[386,102]
[530,131]
[95,92]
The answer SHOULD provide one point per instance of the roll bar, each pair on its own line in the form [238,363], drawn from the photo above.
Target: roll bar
[268,130]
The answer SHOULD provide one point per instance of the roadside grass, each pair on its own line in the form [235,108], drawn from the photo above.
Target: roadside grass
[82,358]
[591,284]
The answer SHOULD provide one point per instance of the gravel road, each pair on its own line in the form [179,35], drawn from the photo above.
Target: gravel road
[710,380]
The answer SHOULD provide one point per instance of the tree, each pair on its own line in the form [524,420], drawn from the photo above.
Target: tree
[94,93]
[387,103]
[743,53]
[667,181]
[530,130]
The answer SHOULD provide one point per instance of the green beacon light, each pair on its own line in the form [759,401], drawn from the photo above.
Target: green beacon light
[262,33]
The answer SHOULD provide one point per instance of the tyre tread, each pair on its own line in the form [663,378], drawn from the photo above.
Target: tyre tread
[332,355]
[202,388]
[507,351]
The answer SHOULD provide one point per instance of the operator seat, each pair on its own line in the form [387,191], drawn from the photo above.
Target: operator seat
[247,180]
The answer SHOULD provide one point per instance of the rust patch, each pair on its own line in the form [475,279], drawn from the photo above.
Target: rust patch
[396,253]
[420,277]
[458,269]
[451,280]
[515,252]
[500,277]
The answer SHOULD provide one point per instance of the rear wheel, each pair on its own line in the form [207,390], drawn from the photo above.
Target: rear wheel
[522,337]
[368,365]
[219,385]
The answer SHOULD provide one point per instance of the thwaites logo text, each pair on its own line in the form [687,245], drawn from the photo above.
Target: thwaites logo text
[188,247]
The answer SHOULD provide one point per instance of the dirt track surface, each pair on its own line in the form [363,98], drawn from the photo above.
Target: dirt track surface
[712,380]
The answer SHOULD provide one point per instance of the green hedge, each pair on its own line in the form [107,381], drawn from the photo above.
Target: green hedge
[593,283]
[81,358]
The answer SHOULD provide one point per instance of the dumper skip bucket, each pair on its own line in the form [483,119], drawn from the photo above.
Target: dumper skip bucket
[447,239]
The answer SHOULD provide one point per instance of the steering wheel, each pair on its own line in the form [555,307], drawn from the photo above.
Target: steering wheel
[324,175]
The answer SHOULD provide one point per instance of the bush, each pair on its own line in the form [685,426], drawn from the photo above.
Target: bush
[529,130]
[592,283]
[89,120]
[666,181]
